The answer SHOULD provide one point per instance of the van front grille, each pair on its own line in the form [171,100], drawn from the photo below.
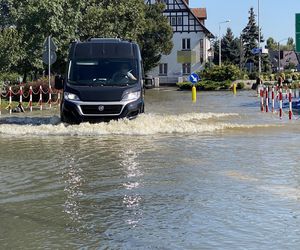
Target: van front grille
[101,109]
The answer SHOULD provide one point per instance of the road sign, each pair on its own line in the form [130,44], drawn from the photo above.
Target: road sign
[194,78]
[49,41]
[256,51]
[297,28]
[53,57]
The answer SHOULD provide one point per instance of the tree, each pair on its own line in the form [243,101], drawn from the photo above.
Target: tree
[230,48]
[272,44]
[10,52]
[68,20]
[250,36]
[113,19]
[35,20]
[289,45]
[157,37]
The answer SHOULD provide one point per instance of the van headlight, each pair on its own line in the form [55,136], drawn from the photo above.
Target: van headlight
[132,96]
[71,96]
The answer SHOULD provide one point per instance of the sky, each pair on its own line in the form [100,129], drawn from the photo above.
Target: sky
[277,17]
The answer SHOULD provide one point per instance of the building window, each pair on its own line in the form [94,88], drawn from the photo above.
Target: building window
[201,51]
[186,44]
[173,21]
[163,69]
[179,20]
[186,68]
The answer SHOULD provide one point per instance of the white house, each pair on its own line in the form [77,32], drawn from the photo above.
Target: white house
[191,41]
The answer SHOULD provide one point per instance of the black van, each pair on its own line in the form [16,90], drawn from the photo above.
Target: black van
[104,81]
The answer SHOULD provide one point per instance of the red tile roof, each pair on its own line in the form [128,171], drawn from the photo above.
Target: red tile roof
[200,13]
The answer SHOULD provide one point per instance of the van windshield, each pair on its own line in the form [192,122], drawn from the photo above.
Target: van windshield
[117,72]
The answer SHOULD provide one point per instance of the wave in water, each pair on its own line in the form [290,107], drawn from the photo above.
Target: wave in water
[146,124]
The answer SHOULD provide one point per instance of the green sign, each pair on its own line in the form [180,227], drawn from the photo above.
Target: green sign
[297,26]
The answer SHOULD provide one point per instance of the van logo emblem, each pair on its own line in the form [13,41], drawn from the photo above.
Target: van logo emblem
[101,108]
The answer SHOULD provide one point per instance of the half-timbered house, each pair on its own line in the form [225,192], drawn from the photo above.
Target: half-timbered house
[191,41]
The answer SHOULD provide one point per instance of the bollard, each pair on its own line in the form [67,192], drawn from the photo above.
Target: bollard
[30,98]
[58,98]
[290,105]
[273,101]
[280,103]
[234,88]
[10,100]
[21,94]
[194,94]
[50,96]
[41,98]
[267,100]
[261,100]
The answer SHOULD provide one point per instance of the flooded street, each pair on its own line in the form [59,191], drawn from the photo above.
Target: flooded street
[218,174]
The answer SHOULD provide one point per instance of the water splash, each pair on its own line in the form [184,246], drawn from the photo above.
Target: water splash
[146,124]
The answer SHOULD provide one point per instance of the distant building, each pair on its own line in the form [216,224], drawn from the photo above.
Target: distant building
[287,59]
[191,41]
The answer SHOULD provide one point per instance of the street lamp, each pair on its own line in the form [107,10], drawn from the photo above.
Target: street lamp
[227,21]
[259,55]
[279,53]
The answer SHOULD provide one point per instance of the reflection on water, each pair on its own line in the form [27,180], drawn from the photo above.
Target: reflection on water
[218,174]
[71,174]
[133,173]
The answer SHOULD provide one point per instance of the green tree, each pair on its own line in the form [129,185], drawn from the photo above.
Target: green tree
[230,48]
[157,37]
[290,45]
[67,20]
[250,36]
[113,19]
[10,52]
[35,20]
[272,44]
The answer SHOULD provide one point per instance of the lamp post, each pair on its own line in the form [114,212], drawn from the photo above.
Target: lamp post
[227,21]
[279,53]
[259,55]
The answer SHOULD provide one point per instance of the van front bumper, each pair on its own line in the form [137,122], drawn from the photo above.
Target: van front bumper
[78,111]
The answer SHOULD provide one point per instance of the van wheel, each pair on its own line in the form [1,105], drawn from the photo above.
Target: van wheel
[142,110]
[65,118]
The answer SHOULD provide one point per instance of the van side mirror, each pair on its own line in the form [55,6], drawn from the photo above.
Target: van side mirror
[148,82]
[59,82]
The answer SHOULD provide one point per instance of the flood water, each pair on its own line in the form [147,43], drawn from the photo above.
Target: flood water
[218,174]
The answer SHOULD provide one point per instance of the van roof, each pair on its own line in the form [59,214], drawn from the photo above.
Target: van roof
[104,48]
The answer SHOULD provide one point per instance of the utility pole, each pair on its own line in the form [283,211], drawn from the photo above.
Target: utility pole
[259,55]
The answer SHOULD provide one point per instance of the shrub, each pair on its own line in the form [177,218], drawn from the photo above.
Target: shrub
[220,74]
[240,85]
[272,77]
[11,78]
[295,76]
[35,88]
[205,85]
[282,75]
[253,75]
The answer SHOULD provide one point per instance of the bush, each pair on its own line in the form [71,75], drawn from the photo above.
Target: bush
[35,88]
[240,85]
[206,85]
[11,78]
[295,76]
[221,74]
[282,75]
[272,77]
[253,75]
